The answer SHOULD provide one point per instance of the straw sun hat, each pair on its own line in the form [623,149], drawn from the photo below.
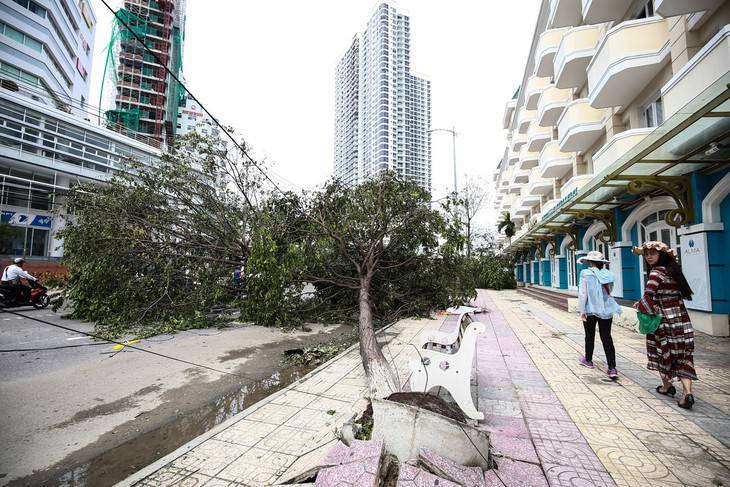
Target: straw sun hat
[660,246]
[593,255]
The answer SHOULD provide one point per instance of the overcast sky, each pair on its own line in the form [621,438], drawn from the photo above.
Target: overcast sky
[267,69]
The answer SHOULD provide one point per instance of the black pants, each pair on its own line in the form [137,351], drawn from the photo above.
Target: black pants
[18,289]
[604,329]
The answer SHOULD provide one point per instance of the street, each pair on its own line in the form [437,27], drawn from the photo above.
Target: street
[66,398]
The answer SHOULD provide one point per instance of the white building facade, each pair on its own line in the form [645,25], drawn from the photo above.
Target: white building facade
[382,111]
[619,134]
[47,139]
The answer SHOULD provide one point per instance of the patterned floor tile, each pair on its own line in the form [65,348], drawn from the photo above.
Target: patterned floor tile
[246,432]
[549,429]
[698,471]
[576,454]
[558,475]
[257,467]
[634,467]
[522,449]
[516,473]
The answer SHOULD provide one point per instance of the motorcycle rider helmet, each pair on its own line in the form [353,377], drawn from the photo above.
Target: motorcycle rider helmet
[19,260]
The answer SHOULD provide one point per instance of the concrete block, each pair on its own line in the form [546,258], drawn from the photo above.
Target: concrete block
[406,429]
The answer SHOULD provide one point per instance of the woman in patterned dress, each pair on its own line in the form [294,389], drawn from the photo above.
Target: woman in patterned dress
[670,348]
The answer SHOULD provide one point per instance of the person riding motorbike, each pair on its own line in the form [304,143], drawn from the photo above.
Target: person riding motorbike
[11,278]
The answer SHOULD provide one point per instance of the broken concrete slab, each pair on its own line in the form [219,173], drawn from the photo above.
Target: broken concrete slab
[361,464]
[447,469]
[410,476]
[406,429]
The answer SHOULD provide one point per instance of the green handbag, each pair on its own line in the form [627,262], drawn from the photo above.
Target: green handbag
[648,323]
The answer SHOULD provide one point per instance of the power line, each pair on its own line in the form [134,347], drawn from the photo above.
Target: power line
[124,345]
[177,80]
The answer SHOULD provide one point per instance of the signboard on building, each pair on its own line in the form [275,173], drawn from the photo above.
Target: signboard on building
[26,219]
[696,268]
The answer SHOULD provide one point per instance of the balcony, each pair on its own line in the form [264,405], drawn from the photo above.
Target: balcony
[575,51]
[528,159]
[580,126]
[619,145]
[539,185]
[519,178]
[509,112]
[552,103]
[518,140]
[708,65]
[554,163]
[524,119]
[565,13]
[670,8]
[538,136]
[600,11]
[626,60]
[533,90]
[513,157]
[575,183]
[545,51]
[525,203]
[547,206]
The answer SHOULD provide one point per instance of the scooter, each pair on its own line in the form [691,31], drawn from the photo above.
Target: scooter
[39,298]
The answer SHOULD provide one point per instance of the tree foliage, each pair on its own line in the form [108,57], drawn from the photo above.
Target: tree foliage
[152,249]
[370,254]
[507,225]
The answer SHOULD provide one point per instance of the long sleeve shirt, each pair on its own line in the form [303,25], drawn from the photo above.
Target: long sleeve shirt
[14,272]
[592,298]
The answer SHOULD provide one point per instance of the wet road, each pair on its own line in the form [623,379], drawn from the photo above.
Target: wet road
[78,412]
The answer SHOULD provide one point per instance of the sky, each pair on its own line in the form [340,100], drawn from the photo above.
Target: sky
[267,68]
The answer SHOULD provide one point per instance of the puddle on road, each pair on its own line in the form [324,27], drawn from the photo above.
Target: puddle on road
[119,463]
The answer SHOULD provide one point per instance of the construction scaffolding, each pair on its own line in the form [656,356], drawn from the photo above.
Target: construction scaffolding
[145,96]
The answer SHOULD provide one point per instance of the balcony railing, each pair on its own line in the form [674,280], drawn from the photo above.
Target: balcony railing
[518,140]
[576,49]
[580,126]
[626,60]
[617,146]
[537,184]
[600,11]
[528,159]
[538,136]
[533,91]
[708,65]
[565,13]
[547,46]
[524,119]
[551,106]
[670,8]
[553,162]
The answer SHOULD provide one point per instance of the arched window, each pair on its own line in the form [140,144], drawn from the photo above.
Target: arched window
[654,227]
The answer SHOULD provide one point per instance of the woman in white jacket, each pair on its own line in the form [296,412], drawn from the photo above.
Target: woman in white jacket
[597,306]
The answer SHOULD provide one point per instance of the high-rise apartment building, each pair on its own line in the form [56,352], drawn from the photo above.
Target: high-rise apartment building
[620,134]
[382,111]
[147,97]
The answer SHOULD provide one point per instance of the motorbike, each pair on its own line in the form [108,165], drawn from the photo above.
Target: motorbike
[39,298]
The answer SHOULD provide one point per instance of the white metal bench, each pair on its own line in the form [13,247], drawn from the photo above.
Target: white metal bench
[436,365]
[444,339]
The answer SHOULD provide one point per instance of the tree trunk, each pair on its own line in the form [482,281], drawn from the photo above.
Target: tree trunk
[382,381]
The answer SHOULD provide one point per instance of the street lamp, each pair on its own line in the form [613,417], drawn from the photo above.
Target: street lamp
[453,133]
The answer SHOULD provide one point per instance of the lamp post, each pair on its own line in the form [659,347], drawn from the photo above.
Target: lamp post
[453,133]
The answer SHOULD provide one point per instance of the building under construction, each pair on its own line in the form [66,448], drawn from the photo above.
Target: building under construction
[144,52]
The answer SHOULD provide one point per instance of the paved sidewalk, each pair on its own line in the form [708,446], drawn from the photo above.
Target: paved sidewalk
[552,422]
